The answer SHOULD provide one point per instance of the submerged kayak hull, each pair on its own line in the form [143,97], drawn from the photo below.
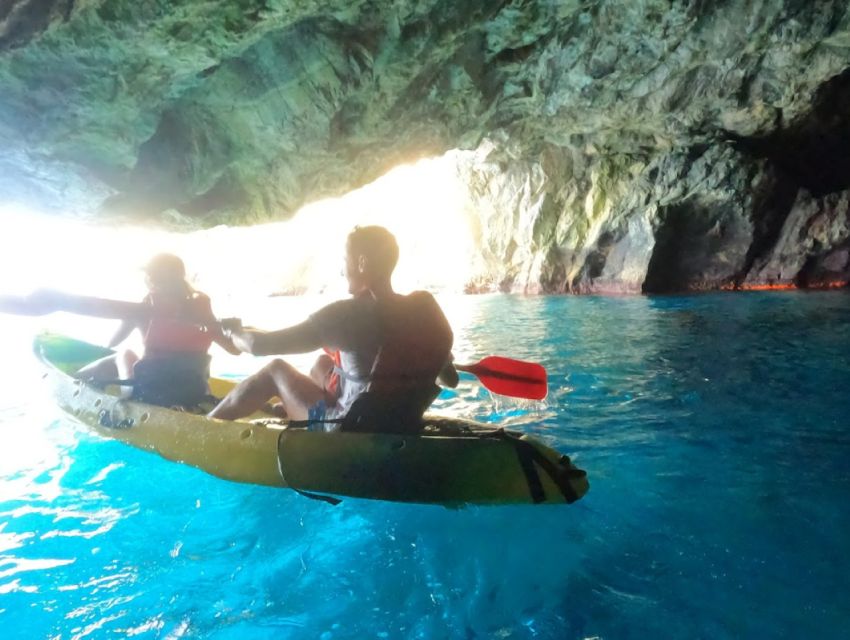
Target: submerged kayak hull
[452,462]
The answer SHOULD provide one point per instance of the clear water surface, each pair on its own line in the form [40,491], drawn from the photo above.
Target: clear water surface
[714,430]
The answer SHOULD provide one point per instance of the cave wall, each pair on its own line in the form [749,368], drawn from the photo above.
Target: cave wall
[618,147]
[743,187]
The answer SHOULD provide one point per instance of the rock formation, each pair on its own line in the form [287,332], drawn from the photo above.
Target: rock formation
[614,146]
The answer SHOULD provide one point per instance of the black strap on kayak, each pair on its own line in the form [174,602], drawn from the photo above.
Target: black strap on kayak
[307,494]
[530,457]
[317,496]
[525,452]
[303,424]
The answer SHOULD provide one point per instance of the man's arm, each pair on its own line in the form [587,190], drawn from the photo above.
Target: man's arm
[223,341]
[301,338]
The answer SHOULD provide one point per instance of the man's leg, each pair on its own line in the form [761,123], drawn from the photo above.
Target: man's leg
[296,391]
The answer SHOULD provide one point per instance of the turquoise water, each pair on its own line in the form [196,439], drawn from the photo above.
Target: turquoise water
[714,430]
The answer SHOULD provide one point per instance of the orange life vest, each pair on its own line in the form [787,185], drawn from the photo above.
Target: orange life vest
[174,326]
[332,385]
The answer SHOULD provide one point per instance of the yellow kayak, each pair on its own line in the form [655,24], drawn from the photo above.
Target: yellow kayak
[450,462]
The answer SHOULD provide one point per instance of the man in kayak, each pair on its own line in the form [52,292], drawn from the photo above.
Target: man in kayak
[394,346]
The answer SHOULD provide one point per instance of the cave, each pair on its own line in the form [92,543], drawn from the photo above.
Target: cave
[590,136]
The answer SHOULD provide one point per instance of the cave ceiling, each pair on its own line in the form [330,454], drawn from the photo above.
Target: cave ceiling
[204,112]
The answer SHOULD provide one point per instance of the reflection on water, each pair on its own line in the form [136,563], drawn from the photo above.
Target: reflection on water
[713,429]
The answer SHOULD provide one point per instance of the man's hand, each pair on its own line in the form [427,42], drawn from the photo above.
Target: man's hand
[242,337]
[448,376]
[230,325]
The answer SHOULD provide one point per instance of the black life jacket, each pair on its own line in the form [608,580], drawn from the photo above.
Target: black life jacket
[417,345]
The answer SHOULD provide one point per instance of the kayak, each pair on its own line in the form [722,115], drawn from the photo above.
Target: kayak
[450,461]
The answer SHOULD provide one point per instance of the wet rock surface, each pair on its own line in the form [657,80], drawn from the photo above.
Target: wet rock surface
[613,147]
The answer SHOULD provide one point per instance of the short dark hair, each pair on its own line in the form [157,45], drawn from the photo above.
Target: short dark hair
[377,244]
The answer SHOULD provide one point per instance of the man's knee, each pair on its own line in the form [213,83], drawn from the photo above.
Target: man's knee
[322,368]
[324,361]
[275,366]
[279,371]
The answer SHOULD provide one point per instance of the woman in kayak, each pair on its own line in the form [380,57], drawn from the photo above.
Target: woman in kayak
[178,327]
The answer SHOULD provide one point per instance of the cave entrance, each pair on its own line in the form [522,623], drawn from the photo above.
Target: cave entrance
[425,204]
[813,152]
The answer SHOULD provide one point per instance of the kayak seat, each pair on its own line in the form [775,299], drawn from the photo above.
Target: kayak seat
[385,412]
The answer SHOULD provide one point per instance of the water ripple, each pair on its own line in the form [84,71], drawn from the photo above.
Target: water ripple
[713,429]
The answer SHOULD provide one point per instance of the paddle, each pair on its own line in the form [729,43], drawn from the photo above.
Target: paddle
[509,377]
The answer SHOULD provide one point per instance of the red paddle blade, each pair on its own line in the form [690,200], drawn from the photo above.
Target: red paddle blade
[509,377]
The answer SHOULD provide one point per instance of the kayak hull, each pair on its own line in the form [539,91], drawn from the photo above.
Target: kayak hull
[452,462]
